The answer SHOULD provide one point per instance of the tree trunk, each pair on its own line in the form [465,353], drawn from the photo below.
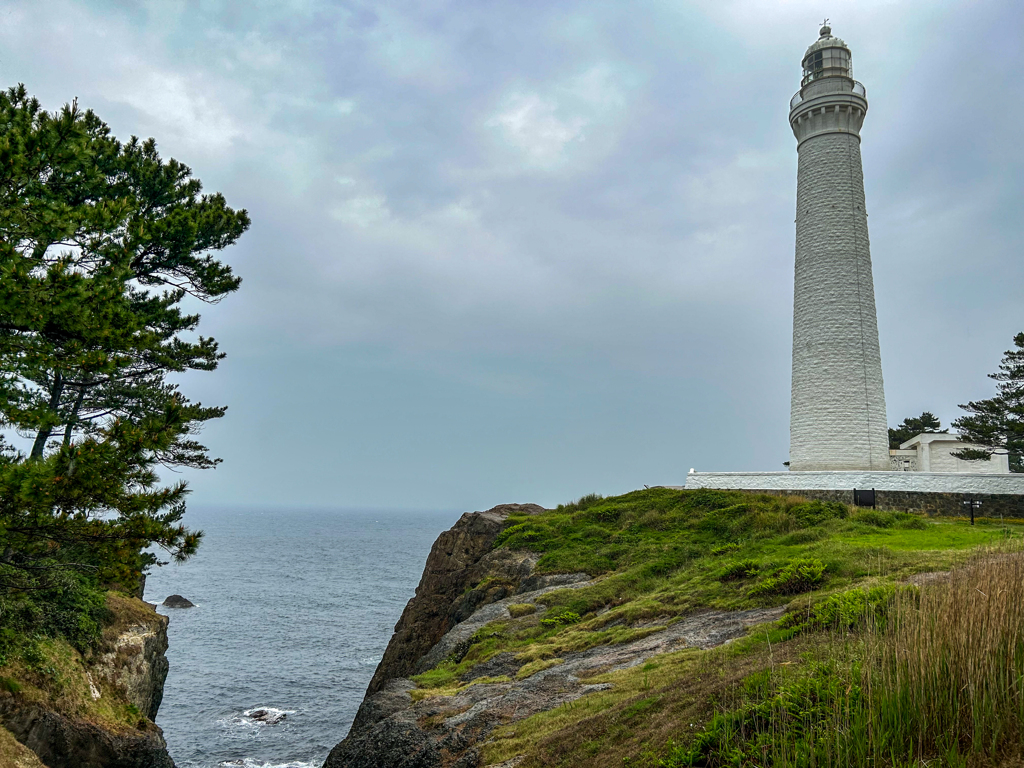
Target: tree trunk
[73,416]
[44,434]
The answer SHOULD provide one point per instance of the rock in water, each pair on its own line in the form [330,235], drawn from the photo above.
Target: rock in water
[268,716]
[177,601]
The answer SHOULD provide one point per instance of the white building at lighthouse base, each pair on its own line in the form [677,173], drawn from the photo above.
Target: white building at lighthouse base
[923,464]
[933,452]
[915,482]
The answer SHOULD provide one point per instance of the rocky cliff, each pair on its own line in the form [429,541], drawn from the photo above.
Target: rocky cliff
[67,710]
[461,558]
[469,588]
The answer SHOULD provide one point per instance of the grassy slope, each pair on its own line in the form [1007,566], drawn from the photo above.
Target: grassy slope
[13,754]
[51,672]
[661,554]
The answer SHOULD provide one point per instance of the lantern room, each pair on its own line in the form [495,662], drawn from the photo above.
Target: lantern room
[827,57]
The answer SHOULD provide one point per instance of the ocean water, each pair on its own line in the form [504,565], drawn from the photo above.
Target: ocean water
[293,612]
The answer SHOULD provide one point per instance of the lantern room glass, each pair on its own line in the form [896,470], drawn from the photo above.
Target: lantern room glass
[827,62]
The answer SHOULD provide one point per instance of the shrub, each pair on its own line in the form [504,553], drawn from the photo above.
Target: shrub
[803,536]
[845,610]
[72,608]
[906,520]
[722,521]
[781,719]
[744,569]
[721,549]
[793,578]
[519,536]
[874,518]
[668,562]
[814,512]
[770,522]
[582,503]
[561,619]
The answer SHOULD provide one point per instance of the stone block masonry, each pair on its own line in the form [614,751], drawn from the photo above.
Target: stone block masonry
[838,417]
[837,421]
[933,492]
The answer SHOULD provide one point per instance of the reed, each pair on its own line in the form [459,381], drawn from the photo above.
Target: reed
[936,677]
[947,678]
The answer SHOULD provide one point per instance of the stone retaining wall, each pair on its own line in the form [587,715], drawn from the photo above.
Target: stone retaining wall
[921,482]
[941,493]
[992,505]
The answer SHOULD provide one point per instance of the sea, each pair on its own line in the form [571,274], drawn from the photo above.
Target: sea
[293,610]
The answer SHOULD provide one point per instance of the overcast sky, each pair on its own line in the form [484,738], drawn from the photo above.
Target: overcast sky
[521,251]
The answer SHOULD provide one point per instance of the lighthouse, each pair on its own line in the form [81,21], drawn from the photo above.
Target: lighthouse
[839,441]
[837,417]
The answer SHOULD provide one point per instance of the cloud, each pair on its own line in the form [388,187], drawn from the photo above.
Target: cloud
[558,234]
[530,124]
[549,130]
[179,106]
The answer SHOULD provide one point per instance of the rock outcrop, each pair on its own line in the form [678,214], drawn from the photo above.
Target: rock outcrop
[177,601]
[129,668]
[467,584]
[134,663]
[397,732]
[61,741]
[14,754]
[460,558]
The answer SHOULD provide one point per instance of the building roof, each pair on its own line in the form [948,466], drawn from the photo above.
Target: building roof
[931,437]
[826,41]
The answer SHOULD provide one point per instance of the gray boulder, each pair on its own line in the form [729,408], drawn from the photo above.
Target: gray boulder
[177,601]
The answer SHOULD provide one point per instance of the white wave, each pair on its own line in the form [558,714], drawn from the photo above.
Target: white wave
[246,721]
[251,762]
[267,715]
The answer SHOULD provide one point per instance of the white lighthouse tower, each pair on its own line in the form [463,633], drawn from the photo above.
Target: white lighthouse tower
[839,440]
[837,421]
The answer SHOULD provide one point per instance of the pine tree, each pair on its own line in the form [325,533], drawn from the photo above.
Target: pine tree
[998,423]
[100,242]
[911,427]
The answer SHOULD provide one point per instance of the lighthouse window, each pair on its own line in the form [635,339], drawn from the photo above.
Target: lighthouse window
[832,61]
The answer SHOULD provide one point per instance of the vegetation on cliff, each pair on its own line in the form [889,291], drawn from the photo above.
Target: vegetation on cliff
[101,244]
[901,642]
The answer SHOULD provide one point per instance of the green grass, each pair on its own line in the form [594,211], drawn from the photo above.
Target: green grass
[937,535]
[53,671]
[894,677]
[660,554]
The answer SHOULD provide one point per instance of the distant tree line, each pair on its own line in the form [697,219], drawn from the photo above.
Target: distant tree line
[926,422]
[101,244]
[996,425]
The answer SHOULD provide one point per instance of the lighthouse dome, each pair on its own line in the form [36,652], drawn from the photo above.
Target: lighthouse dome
[828,56]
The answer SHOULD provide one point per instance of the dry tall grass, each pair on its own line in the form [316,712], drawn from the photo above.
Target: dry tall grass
[935,679]
[948,677]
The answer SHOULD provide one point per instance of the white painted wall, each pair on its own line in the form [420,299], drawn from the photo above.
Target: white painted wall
[837,417]
[935,454]
[923,482]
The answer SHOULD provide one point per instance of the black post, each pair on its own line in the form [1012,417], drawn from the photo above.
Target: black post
[973,504]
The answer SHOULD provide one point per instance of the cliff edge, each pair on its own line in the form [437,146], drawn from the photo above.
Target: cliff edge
[443,598]
[63,709]
[409,719]
[677,628]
